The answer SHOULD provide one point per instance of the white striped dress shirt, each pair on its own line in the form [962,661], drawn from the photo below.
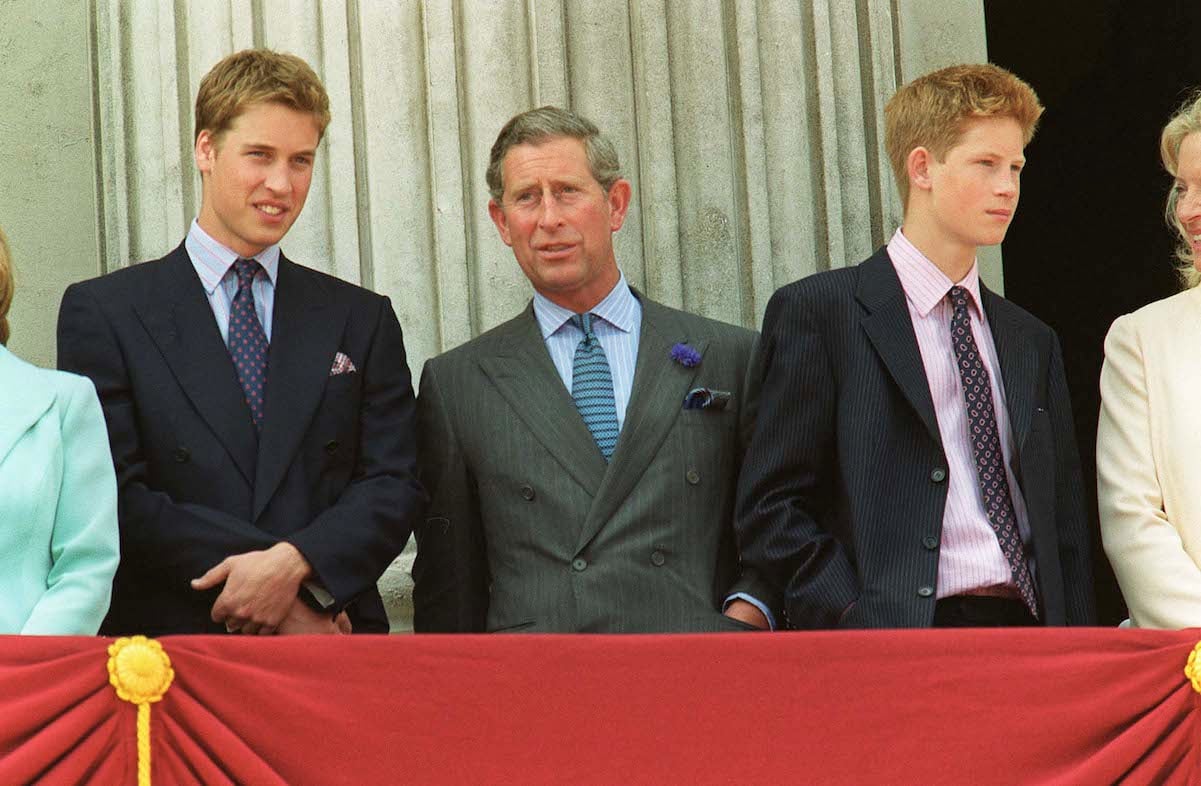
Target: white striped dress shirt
[970,561]
[214,264]
[618,329]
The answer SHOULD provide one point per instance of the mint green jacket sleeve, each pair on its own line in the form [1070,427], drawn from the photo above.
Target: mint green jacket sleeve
[58,503]
[83,541]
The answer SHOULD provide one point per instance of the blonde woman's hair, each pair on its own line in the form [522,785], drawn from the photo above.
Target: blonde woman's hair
[1186,120]
[6,286]
[931,111]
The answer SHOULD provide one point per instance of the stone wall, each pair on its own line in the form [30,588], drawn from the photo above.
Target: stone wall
[751,131]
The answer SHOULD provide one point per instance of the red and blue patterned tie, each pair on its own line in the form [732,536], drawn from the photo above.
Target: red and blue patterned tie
[986,445]
[247,341]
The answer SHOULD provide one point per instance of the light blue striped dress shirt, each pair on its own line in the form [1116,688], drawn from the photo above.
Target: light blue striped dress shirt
[214,264]
[618,330]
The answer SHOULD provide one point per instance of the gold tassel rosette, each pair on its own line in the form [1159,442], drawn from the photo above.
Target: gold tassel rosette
[1192,669]
[140,671]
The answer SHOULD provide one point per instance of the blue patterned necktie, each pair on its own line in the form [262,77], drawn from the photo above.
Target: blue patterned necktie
[247,341]
[986,446]
[592,387]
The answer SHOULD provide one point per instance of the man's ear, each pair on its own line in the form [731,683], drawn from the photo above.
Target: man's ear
[205,151]
[619,203]
[917,167]
[499,218]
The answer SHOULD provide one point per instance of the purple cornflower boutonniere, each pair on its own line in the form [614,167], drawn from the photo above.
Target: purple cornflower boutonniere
[685,355]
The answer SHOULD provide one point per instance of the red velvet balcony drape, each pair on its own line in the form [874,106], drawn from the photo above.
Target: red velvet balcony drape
[956,707]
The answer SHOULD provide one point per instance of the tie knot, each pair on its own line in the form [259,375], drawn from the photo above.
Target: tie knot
[246,269]
[958,297]
[584,323]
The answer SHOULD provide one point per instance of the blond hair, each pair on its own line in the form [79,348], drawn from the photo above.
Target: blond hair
[931,111]
[6,286]
[1185,121]
[258,76]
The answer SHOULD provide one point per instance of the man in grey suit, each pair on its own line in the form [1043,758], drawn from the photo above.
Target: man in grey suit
[582,457]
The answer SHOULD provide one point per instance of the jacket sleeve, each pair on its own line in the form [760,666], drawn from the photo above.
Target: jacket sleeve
[1159,580]
[450,574]
[84,541]
[788,470]
[1075,549]
[352,542]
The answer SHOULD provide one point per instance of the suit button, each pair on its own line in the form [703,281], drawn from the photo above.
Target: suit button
[331,447]
[181,455]
[692,476]
[925,592]
[938,475]
[527,493]
[578,564]
[930,542]
[657,558]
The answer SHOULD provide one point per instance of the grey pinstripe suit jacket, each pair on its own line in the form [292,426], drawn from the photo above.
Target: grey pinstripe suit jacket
[841,500]
[530,530]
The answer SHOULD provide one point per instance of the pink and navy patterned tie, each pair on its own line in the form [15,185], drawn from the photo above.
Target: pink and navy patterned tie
[986,445]
[247,341]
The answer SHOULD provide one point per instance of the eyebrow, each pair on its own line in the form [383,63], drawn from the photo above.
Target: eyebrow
[275,148]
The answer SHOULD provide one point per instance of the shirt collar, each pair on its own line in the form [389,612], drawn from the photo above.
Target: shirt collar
[924,284]
[212,260]
[617,308]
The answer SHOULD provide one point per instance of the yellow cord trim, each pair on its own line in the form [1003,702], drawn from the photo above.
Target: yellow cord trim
[1192,669]
[140,671]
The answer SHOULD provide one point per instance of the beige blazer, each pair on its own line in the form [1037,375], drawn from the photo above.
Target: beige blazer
[1149,460]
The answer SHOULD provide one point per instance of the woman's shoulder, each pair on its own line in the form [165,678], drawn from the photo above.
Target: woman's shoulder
[1167,310]
[30,379]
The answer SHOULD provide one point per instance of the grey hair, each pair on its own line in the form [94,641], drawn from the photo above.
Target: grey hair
[1186,121]
[550,122]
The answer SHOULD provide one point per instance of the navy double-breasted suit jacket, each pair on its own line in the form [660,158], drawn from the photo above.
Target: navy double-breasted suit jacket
[332,472]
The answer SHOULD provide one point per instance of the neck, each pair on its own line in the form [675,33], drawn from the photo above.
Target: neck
[583,301]
[952,257]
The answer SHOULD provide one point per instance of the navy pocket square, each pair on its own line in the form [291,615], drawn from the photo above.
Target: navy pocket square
[706,398]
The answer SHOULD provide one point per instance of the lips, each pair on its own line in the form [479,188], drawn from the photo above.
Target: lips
[554,250]
[271,210]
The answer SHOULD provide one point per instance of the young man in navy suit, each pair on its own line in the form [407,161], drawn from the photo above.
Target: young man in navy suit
[260,413]
[914,462]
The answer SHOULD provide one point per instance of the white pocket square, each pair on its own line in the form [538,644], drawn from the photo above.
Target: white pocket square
[342,365]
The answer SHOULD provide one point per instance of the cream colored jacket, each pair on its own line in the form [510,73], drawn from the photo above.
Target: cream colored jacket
[1149,460]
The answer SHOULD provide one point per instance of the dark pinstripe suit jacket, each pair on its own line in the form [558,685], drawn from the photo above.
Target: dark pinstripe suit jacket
[841,500]
[529,529]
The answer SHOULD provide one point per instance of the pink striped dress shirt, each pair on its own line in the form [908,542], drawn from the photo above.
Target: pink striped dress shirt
[970,561]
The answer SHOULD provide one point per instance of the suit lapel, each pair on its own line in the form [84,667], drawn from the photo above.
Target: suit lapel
[180,322]
[890,330]
[525,376]
[307,326]
[656,399]
[23,410]
[1017,360]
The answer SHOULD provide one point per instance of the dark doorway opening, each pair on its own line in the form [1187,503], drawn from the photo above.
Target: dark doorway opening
[1089,241]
